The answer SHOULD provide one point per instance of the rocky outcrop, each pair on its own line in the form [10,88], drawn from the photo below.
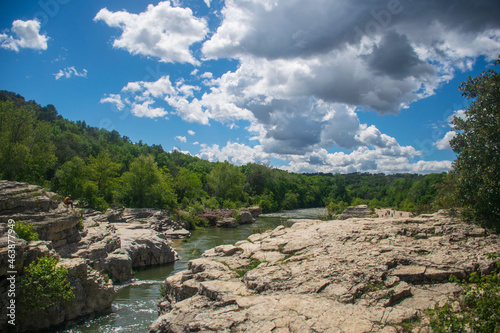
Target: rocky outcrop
[117,248]
[356,275]
[88,244]
[355,211]
[52,220]
[93,294]
[224,218]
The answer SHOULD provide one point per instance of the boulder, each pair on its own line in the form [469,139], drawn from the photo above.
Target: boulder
[228,222]
[245,217]
[144,246]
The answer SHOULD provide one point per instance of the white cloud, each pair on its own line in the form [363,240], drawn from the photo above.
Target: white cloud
[444,143]
[113,99]
[235,153]
[162,31]
[69,72]
[28,36]
[145,110]
[305,72]
[181,138]
[190,132]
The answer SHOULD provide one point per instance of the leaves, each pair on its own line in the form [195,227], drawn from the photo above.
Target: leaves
[477,146]
[44,284]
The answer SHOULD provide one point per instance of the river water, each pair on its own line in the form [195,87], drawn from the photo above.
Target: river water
[134,308]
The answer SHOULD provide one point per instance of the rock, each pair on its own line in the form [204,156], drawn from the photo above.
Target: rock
[355,211]
[94,251]
[93,294]
[228,222]
[144,246]
[176,234]
[255,211]
[245,217]
[356,275]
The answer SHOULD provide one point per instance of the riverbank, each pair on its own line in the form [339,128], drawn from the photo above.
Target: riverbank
[355,275]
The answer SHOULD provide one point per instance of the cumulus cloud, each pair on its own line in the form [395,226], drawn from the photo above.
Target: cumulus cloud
[69,72]
[145,110]
[190,132]
[181,138]
[444,143]
[162,31]
[305,72]
[235,153]
[27,35]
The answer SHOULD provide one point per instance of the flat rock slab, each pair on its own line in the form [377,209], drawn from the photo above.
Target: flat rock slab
[354,275]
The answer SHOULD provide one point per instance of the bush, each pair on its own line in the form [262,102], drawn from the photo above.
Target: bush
[478,306]
[25,231]
[44,284]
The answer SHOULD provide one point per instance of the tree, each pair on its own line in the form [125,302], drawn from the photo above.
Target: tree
[70,178]
[477,145]
[226,182]
[26,144]
[104,172]
[146,186]
[188,185]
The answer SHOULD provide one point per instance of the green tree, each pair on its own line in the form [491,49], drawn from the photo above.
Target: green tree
[226,181]
[477,145]
[71,178]
[44,284]
[188,185]
[144,185]
[103,172]
[26,147]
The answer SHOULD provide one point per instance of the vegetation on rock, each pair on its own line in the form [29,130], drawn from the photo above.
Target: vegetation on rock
[25,231]
[44,284]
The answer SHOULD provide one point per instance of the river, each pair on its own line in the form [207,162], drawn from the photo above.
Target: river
[134,308]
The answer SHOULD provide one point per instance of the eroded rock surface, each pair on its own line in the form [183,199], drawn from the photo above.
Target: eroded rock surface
[355,275]
[87,244]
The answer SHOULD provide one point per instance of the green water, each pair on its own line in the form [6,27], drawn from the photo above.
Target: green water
[134,308]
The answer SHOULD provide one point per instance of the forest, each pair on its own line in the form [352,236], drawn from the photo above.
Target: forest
[102,169]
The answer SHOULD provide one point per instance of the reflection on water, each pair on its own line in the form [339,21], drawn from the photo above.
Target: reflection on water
[134,308]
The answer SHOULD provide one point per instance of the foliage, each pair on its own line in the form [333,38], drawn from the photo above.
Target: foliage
[25,144]
[478,307]
[226,181]
[333,209]
[25,231]
[44,284]
[147,186]
[100,168]
[477,145]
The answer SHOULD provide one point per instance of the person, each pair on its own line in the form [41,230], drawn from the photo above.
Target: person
[68,201]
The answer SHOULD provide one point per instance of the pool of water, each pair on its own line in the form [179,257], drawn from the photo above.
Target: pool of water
[134,308]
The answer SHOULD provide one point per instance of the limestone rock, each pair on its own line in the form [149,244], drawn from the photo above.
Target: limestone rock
[245,216]
[144,246]
[228,222]
[356,211]
[356,275]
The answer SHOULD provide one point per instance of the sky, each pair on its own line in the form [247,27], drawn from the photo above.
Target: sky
[306,86]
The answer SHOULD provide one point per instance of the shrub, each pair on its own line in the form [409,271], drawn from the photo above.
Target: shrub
[44,284]
[25,231]
[478,306]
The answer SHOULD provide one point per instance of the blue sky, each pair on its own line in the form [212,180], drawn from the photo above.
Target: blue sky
[316,86]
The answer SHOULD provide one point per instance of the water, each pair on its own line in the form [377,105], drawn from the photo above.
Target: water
[134,308]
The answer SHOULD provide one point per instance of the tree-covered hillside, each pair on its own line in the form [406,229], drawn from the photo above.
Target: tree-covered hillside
[102,168]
